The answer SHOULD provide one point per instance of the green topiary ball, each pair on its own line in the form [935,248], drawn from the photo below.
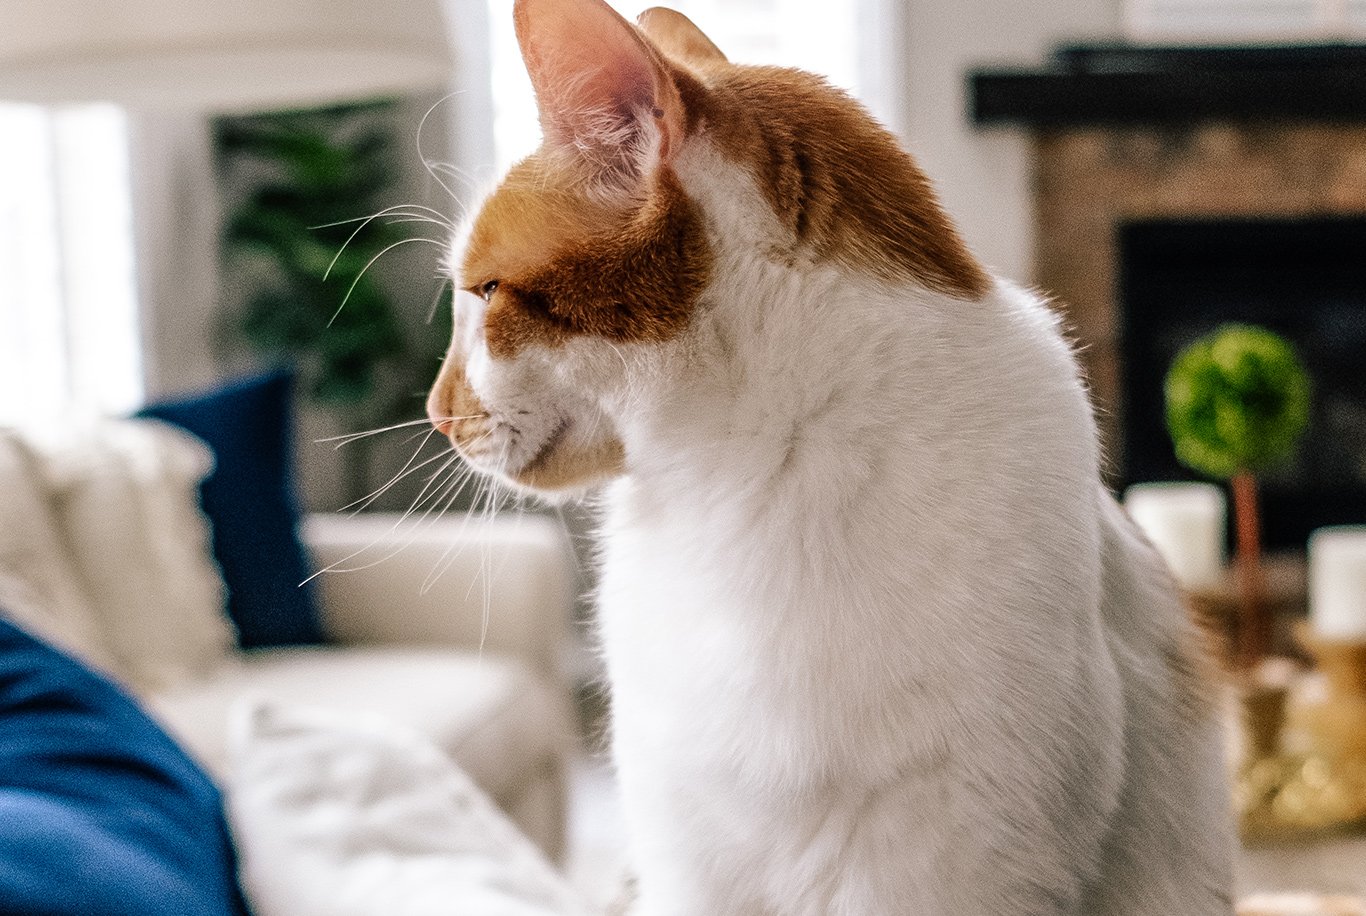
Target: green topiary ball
[1237,400]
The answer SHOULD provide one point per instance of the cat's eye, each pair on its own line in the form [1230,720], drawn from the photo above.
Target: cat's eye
[487,290]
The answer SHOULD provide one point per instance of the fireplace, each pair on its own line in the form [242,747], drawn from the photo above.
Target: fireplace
[1304,278]
[1176,189]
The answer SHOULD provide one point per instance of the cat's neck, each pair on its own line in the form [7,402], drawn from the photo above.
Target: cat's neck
[795,387]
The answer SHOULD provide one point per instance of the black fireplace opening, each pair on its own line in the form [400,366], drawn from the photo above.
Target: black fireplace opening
[1303,278]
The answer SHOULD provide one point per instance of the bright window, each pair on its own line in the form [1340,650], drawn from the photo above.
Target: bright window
[69,341]
[844,42]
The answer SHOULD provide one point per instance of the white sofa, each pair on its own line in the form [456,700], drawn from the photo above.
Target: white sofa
[451,626]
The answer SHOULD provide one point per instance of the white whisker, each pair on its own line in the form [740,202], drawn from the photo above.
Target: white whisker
[399,209]
[422,156]
[342,564]
[351,437]
[370,263]
[408,468]
[435,214]
[436,300]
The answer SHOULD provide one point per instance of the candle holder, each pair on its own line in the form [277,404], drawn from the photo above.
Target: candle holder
[1322,787]
[1263,693]
[1336,720]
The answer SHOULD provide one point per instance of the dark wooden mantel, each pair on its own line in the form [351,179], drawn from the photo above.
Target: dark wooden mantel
[1118,84]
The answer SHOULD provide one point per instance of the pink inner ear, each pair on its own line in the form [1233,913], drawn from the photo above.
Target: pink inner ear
[590,68]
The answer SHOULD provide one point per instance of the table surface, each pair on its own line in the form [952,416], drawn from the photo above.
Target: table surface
[1332,865]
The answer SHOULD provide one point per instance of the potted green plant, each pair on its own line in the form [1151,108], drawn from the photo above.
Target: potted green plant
[299,241]
[1237,403]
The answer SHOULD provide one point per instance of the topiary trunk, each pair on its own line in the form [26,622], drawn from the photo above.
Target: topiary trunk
[1255,625]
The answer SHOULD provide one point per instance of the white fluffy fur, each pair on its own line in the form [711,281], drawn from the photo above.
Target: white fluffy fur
[879,642]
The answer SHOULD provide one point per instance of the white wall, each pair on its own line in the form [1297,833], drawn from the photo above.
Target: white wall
[984,176]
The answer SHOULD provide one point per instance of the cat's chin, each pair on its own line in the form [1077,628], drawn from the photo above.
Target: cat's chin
[565,467]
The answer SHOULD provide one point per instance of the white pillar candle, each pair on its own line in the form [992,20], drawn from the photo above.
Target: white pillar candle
[1337,582]
[1186,523]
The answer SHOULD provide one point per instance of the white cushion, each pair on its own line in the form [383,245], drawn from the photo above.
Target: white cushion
[494,718]
[503,583]
[127,494]
[352,816]
[38,586]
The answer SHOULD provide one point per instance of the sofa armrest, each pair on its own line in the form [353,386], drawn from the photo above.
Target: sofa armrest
[503,584]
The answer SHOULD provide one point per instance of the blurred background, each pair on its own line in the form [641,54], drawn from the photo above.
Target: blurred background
[194,191]
[132,272]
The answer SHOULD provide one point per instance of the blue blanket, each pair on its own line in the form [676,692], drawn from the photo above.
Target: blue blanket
[101,813]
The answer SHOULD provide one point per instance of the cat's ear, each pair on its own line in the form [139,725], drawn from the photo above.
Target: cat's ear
[677,36]
[604,93]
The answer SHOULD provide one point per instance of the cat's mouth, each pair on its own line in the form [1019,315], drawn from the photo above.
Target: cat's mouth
[567,462]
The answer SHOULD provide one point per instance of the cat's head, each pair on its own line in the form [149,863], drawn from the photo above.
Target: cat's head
[660,161]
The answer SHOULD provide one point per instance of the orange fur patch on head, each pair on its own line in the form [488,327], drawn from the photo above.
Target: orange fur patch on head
[569,266]
[836,179]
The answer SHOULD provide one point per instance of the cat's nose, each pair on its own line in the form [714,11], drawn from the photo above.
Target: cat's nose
[439,412]
[452,406]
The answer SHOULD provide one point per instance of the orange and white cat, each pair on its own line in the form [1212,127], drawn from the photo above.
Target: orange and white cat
[878,640]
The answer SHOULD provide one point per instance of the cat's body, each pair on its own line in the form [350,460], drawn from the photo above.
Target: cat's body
[892,659]
[879,642]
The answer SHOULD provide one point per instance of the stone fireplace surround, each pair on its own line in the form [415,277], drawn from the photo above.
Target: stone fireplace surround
[1128,134]
[1092,180]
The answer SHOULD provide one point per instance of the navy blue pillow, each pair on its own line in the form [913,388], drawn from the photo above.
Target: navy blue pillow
[101,814]
[249,499]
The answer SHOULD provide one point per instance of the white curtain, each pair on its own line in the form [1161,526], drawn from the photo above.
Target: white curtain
[68,307]
[176,236]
